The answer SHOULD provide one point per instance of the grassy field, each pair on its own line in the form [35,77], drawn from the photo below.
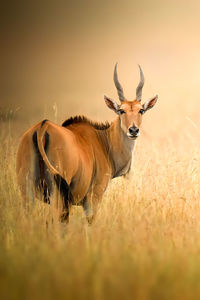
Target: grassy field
[144,243]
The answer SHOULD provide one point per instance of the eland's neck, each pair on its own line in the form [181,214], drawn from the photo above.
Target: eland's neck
[120,149]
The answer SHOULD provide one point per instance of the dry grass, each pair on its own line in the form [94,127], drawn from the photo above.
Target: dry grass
[144,243]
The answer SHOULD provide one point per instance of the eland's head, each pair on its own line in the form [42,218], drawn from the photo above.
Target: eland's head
[130,112]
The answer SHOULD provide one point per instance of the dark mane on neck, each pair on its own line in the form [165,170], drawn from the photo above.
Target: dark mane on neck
[83,119]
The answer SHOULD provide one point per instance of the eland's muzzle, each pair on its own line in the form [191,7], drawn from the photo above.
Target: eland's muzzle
[133,132]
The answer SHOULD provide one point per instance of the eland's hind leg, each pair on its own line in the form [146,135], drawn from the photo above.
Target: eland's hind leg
[27,188]
[25,169]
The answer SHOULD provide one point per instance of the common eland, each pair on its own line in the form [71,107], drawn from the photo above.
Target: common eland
[79,158]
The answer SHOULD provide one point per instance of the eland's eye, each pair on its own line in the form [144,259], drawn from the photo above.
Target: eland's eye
[141,111]
[121,111]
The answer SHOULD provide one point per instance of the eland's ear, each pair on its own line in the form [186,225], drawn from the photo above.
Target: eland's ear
[111,104]
[150,103]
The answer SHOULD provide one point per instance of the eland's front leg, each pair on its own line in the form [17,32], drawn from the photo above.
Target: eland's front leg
[88,209]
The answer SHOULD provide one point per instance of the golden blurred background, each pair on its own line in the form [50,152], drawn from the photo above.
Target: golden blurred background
[57,58]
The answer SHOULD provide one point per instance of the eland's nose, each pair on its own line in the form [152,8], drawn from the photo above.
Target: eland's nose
[134,130]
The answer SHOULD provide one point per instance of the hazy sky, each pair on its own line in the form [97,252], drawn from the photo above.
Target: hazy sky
[65,51]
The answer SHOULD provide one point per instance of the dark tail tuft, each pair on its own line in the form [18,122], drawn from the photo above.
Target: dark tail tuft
[42,177]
